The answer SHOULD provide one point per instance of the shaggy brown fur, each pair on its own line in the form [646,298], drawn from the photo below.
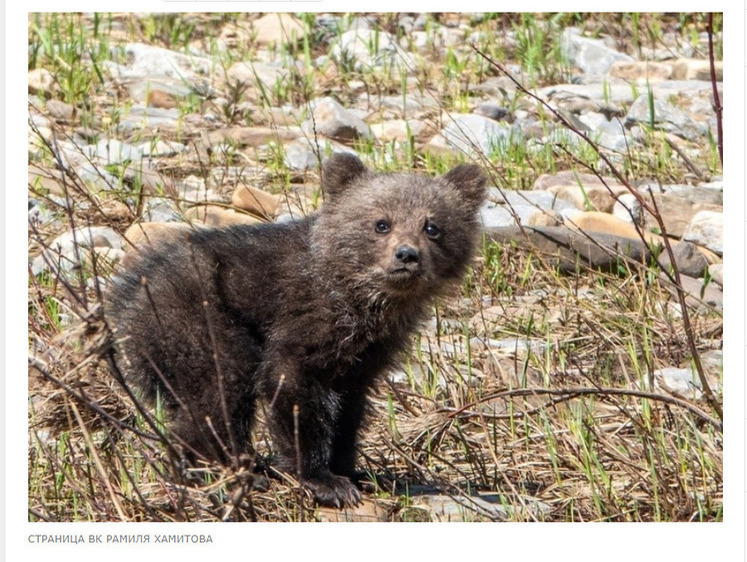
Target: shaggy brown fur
[304,315]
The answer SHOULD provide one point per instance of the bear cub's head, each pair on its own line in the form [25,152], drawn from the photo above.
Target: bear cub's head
[397,235]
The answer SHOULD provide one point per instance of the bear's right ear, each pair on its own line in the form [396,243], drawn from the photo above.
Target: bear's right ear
[470,181]
[339,171]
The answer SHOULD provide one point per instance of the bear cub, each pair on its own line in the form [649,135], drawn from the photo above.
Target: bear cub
[304,315]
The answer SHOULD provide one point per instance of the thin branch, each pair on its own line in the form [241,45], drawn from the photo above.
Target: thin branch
[716,99]
[566,394]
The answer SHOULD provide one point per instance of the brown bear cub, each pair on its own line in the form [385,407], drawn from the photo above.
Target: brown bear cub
[304,315]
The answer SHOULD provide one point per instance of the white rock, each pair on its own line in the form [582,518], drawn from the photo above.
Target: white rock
[716,271]
[146,60]
[592,56]
[370,48]
[62,253]
[627,208]
[707,229]
[470,133]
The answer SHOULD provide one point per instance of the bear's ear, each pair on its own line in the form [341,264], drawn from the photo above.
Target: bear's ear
[469,180]
[339,171]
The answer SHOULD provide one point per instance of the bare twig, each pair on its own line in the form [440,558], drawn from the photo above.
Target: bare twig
[716,99]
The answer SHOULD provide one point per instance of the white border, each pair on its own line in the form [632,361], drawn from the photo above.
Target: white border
[557,542]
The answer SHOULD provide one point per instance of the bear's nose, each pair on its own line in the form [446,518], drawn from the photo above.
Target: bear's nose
[406,254]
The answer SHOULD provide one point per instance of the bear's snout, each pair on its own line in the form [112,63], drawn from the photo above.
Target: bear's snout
[406,255]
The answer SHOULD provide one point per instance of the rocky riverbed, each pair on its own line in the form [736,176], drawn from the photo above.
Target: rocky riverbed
[231,124]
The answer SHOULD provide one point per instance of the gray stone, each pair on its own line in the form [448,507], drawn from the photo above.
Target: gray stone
[676,207]
[600,93]
[683,382]
[406,24]
[60,110]
[627,208]
[154,118]
[541,199]
[665,117]
[39,213]
[698,295]
[592,56]
[607,133]
[509,346]
[304,153]
[689,260]
[367,48]
[278,29]
[161,209]
[113,151]
[716,272]
[335,122]
[147,60]
[477,135]
[140,87]
[492,111]
[264,75]
[569,249]
[446,508]
[41,81]
[158,147]
[414,375]
[405,106]
[495,215]
[713,363]
[485,507]
[706,228]
[61,255]
[97,176]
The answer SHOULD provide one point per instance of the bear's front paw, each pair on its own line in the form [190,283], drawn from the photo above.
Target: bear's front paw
[332,490]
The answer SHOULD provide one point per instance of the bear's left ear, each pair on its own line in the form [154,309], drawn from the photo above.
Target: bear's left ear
[469,180]
[339,171]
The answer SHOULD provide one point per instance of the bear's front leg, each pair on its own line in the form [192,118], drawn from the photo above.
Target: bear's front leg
[302,419]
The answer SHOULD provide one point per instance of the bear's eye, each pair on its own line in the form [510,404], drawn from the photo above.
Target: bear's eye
[382,226]
[432,231]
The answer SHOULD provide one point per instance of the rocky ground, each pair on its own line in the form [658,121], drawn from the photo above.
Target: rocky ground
[601,140]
